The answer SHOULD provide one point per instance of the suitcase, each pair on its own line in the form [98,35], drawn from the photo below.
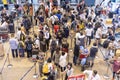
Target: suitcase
[43,46]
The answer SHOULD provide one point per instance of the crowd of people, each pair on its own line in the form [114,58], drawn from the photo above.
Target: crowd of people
[56,26]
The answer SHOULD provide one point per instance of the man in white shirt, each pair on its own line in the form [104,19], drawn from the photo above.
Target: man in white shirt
[88,32]
[13,45]
[77,37]
[47,37]
[53,18]
[92,75]
[18,34]
[98,35]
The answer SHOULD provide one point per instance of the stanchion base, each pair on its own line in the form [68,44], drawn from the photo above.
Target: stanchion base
[106,76]
[9,65]
[35,75]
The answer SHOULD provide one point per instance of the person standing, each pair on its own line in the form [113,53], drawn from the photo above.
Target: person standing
[5,2]
[53,45]
[63,61]
[21,49]
[40,59]
[93,53]
[47,37]
[116,68]
[29,47]
[69,71]
[98,35]
[13,45]
[76,54]
[88,32]
[56,56]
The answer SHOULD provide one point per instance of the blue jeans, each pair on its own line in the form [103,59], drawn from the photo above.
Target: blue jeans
[21,52]
[75,59]
[14,50]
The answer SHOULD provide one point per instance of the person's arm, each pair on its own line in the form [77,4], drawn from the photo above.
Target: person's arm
[87,72]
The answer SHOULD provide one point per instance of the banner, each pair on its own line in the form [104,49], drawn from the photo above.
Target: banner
[78,77]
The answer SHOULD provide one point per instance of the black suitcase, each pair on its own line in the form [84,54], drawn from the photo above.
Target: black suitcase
[43,46]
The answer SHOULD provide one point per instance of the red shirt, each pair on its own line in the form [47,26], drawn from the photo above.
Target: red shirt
[56,28]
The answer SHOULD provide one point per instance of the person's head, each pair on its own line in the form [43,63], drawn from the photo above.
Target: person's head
[19,29]
[30,5]
[29,38]
[49,60]
[57,49]
[12,35]
[69,66]
[35,35]
[81,33]
[63,53]
[94,72]
[94,44]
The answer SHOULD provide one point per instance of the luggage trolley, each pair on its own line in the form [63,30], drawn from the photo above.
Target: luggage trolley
[4,33]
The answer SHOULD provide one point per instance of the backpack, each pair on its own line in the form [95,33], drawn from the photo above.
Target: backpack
[53,44]
[29,46]
[45,68]
[106,44]
[22,37]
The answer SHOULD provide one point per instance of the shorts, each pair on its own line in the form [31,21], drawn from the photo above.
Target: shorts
[91,58]
[97,38]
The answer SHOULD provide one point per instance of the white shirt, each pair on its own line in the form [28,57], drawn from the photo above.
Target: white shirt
[18,35]
[77,35]
[62,60]
[89,31]
[53,18]
[5,25]
[46,35]
[82,16]
[69,72]
[50,66]
[13,43]
[37,42]
[90,75]
[116,44]
[98,32]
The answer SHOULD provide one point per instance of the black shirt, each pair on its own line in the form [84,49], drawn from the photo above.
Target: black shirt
[93,51]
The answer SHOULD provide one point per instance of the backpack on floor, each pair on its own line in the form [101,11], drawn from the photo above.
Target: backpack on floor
[106,44]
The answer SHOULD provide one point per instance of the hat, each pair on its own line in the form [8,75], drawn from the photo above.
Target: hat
[85,51]
[81,48]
